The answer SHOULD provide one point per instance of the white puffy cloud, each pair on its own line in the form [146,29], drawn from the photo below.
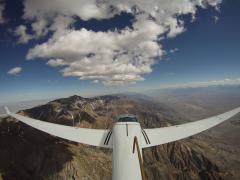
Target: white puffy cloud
[39,27]
[14,71]
[111,57]
[98,9]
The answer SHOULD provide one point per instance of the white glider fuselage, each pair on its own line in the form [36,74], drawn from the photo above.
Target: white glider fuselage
[125,162]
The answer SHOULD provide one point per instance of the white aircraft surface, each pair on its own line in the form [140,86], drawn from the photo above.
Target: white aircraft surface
[126,138]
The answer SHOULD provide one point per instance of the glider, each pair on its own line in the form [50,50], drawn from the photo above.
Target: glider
[126,138]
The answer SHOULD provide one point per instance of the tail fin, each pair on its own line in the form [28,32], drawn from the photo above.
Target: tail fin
[6,109]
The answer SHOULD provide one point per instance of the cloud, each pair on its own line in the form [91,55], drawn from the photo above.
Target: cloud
[21,32]
[216,19]
[2,7]
[113,57]
[173,50]
[223,82]
[14,71]
[56,62]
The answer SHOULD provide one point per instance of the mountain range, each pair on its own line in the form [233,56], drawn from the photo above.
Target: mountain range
[26,153]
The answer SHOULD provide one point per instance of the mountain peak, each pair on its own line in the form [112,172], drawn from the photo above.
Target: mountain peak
[76,97]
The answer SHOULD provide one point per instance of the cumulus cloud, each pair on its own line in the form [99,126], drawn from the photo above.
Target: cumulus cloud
[14,71]
[112,57]
[223,82]
[2,7]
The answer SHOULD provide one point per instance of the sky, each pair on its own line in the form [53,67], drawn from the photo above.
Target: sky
[58,48]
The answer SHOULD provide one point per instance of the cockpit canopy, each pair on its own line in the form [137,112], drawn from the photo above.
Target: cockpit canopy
[127,118]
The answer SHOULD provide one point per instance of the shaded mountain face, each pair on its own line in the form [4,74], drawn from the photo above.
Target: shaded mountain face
[26,153]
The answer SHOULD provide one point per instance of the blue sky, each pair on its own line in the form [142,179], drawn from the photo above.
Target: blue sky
[206,51]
